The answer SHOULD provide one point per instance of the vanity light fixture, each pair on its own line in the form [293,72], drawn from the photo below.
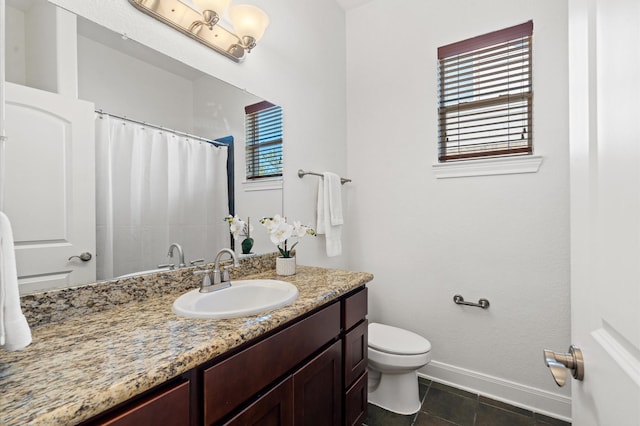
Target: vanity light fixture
[200,20]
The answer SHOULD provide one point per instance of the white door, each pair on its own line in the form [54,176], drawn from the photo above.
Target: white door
[604,64]
[49,187]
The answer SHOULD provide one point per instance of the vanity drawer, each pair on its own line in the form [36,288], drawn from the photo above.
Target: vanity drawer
[355,353]
[355,309]
[168,407]
[236,379]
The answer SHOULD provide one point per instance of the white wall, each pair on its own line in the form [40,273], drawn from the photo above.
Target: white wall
[299,64]
[120,84]
[504,238]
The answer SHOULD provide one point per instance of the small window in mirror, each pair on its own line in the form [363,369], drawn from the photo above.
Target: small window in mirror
[263,124]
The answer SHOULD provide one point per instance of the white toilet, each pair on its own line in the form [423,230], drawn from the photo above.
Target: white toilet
[395,355]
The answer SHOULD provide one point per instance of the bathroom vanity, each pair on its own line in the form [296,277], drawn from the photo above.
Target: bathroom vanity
[138,363]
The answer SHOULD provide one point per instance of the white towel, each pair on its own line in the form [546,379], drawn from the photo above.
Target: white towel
[334,185]
[330,213]
[15,333]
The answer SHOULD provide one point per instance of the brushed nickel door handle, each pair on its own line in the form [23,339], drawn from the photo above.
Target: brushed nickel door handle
[558,363]
[85,256]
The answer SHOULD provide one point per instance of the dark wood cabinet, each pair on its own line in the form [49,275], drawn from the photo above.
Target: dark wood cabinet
[329,389]
[231,382]
[311,396]
[355,327]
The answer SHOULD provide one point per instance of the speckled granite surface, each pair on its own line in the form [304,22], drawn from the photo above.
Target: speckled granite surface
[83,364]
[58,305]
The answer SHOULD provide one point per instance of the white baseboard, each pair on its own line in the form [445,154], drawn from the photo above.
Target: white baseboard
[533,399]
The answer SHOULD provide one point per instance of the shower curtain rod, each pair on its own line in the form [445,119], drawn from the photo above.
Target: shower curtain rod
[188,135]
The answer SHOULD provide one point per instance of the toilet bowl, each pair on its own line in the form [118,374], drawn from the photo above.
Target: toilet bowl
[395,355]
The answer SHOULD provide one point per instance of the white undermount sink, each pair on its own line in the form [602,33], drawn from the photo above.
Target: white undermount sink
[244,297]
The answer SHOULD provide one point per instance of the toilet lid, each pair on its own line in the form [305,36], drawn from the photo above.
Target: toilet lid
[395,340]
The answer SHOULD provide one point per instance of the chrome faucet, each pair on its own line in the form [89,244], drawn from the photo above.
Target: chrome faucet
[219,280]
[224,277]
[180,253]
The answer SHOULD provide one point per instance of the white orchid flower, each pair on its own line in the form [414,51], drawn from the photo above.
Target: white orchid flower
[280,234]
[236,229]
[276,221]
[236,225]
[280,231]
[300,230]
[272,223]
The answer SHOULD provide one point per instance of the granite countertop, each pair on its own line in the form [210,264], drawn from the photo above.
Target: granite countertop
[82,365]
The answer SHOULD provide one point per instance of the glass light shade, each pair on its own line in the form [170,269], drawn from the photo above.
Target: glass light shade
[248,21]
[218,6]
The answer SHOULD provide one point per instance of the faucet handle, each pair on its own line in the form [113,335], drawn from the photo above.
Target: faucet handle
[167,265]
[225,273]
[206,278]
[195,262]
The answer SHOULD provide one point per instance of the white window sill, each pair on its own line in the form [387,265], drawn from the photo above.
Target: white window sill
[268,184]
[487,167]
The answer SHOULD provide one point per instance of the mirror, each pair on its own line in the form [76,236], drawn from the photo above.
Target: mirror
[126,79]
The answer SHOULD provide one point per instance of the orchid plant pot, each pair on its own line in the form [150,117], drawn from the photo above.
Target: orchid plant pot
[285,266]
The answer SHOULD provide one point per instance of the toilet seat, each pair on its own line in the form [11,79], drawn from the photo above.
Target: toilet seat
[393,340]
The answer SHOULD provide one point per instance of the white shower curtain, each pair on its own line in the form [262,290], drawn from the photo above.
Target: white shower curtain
[155,188]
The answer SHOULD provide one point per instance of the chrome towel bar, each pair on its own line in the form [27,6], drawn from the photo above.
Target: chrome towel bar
[482,303]
[301,173]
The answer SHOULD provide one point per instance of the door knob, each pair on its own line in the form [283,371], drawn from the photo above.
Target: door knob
[85,256]
[559,363]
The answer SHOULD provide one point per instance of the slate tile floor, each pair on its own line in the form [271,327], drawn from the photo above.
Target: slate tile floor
[446,406]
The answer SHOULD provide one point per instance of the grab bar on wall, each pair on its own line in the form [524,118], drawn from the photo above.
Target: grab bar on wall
[482,303]
[301,173]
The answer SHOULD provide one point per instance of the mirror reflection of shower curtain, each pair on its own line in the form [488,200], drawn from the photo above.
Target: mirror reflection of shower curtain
[155,188]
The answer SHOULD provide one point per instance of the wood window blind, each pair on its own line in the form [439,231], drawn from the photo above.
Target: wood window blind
[485,95]
[263,124]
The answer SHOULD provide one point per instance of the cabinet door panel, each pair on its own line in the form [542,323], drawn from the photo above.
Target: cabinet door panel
[355,353]
[317,389]
[355,410]
[275,408]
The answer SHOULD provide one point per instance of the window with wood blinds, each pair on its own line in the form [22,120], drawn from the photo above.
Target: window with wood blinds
[485,95]
[263,123]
